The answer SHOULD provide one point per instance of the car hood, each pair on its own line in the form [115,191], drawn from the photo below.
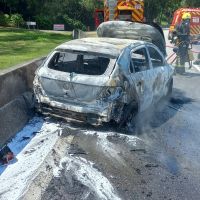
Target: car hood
[132,30]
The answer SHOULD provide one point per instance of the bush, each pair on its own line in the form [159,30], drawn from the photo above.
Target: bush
[4,19]
[43,22]
[71,24]
[7,19]
[16,20]
[46,22]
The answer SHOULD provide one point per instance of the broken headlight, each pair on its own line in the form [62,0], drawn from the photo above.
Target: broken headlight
[37,86]
[110,93]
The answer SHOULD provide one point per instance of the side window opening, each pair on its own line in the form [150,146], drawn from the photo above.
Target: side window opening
[155,57]
[79,63]
[139,60]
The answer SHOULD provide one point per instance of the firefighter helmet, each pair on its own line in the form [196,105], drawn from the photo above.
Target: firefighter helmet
[186,15]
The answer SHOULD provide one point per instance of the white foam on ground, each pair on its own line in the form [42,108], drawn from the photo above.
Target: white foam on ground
[129,139]
[30,150]
[110,149]
[89,176]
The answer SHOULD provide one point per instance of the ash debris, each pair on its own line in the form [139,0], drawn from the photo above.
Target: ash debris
[67,188]
[77,178]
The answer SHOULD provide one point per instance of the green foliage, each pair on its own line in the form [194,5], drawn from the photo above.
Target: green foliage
[161,9]
[4,19]
[16,20]
[192,3]
[79,13]
[73,23]
[7,19]
[44,22]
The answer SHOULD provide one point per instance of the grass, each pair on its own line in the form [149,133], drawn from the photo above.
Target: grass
[19,45]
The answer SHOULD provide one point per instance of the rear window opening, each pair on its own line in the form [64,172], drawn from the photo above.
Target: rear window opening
[79,63]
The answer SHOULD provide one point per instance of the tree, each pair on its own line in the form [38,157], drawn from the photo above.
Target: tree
[80,12]
[191,3]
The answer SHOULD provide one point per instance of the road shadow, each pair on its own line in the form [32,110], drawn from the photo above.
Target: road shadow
[163,111]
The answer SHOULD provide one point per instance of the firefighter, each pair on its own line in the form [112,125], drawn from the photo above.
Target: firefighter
[182,33]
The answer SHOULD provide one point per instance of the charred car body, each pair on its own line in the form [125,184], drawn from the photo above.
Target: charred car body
[102,79]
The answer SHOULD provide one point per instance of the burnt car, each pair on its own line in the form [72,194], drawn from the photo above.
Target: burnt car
[97,80]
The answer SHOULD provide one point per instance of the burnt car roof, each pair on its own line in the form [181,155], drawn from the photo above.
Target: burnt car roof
[105,46]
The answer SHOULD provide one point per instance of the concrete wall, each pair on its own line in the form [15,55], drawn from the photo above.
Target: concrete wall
[15,98]
[15,82]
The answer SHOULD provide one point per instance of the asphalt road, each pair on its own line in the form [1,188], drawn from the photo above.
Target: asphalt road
[161,161]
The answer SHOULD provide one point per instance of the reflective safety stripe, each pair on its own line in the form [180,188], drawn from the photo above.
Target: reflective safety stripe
[138,12]
[194,30]
[135,17]
[106,11]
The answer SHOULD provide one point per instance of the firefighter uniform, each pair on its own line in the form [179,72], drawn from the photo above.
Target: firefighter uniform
[183,41]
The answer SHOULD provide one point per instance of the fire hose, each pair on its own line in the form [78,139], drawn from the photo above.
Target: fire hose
[171,55]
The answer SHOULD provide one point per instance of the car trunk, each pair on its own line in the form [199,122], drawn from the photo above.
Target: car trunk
[75,76]
[83,88]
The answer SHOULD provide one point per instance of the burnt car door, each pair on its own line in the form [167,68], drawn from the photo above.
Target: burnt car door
[160,72]
[140,73]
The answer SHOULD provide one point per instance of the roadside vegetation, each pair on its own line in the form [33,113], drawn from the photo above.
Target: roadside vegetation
[78,13]
[19,45]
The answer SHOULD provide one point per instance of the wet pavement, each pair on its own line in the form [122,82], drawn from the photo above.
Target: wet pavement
[161,162]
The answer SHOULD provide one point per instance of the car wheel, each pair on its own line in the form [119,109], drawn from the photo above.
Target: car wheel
[135,125]
[128,113]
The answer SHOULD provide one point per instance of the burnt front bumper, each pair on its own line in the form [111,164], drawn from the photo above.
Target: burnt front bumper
[94,115]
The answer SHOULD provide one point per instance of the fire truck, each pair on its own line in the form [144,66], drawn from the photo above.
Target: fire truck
[125,10]
[194,23]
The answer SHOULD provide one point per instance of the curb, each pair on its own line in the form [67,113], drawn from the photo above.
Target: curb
[13,116]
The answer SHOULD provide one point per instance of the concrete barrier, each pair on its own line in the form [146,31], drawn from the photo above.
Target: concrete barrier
[17,80]
[16,98]
[13,117]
